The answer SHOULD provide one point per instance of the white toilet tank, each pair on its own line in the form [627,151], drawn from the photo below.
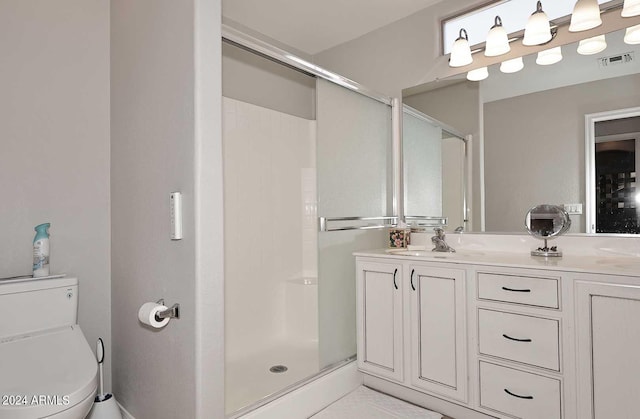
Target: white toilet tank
[34,304]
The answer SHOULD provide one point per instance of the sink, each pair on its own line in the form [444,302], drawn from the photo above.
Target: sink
[458,254]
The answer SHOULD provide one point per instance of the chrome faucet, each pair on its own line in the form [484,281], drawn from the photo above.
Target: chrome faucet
[439,243]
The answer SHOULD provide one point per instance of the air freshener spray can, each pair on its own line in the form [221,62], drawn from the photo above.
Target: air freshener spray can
[41,251]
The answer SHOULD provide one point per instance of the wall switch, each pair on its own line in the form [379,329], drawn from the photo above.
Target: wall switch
[175,205]
[573,209]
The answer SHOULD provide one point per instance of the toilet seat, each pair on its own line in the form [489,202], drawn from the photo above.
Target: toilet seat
[51,372]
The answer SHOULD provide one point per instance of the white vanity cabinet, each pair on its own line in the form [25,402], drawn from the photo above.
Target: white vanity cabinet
[379,319]
[502,335]
[608,349]
[518,317]
[438,332]
[416,310]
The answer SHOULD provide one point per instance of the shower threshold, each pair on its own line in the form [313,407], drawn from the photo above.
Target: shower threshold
[299,384]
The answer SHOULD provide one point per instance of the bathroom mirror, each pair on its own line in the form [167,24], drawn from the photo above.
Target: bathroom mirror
[547,222]
[531,125]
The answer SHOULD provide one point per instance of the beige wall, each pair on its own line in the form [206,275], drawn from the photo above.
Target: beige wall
[400,55]
[534,147]
[259,81]
[54,158]
[165,94]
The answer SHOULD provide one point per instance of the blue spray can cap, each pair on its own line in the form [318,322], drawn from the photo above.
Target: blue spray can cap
[42,231]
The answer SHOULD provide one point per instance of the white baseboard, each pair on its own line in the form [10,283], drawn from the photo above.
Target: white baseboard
[313,397]
[125,414]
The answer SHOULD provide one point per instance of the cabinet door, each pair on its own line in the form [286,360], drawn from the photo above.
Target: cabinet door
[438,331]
[379,319]
[608,339]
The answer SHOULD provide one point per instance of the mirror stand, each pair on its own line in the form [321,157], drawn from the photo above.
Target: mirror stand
[546,222]
[546,251]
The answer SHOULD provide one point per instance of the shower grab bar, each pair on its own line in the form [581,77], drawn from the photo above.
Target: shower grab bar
[323,223]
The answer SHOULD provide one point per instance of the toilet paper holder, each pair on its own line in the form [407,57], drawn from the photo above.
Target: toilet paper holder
[172,312]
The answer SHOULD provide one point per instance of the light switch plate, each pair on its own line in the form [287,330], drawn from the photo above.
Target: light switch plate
[573,209]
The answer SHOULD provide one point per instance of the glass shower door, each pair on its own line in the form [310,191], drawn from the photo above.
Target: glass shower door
[354,166]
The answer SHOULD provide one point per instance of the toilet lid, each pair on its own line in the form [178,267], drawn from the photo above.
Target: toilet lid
[45,373]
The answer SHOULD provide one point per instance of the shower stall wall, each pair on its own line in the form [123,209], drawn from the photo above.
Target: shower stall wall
[270,250]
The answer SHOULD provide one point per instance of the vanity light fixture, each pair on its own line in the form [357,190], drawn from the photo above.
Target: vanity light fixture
[586,15]
[632,35]
[497,40]
[549,56]
[512,66]
[592,46]
[461,51]
[538,29]
[478,74]
[631,8]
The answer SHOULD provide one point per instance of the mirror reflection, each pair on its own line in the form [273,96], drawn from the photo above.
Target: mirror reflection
[529,137]
[434,168]
[546,221]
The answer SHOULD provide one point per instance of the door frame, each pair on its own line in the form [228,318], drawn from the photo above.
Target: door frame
[590,158]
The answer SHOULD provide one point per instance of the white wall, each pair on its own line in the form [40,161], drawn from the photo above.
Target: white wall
[54,154]
[166,93]
[266,156]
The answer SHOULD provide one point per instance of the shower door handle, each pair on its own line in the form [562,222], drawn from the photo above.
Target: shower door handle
[394,278]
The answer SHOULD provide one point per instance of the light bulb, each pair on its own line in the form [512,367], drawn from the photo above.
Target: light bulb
[632,35]
[631,8]
[538,29]
[461,51]
[497,40]
[478,74]
[592,46]
[586,15]
[549,56]
[512,66]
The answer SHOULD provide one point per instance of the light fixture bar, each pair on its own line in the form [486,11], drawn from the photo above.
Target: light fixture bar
[514,14]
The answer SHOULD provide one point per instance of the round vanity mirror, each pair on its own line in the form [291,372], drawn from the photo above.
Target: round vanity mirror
[546,222]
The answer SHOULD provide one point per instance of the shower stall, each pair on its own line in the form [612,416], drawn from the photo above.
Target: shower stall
[308,178]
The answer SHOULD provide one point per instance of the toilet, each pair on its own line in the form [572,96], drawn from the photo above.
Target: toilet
[47,368]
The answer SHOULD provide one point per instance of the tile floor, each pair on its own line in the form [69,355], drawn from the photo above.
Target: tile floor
[365,403]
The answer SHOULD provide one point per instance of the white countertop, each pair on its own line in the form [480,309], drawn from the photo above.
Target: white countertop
[610,264]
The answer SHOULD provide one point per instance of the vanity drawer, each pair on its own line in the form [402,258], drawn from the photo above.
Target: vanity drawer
[519,394]
[529,290]
[527,339]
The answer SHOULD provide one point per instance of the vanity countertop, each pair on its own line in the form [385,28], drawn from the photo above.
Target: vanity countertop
[610,264]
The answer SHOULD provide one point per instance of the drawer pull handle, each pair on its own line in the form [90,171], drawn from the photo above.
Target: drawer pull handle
[412,287]
[518,396]
[515,290]
[516,339]
[394,278]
